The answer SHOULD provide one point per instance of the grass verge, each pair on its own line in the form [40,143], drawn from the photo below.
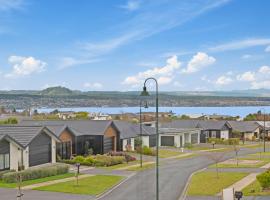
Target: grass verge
[144,167]
[36,181]
[254,189]
[93,185]
[207,184]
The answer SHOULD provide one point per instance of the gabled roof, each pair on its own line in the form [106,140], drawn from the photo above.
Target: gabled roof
[191,124]
[244,126]
[211,124]
[23,135]
[78,127]
[131,130]
[181,124]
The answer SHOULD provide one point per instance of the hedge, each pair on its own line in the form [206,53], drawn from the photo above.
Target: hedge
[4,172]
[230,141]
[98,160]
[35,173]
[264,179]
[146,151]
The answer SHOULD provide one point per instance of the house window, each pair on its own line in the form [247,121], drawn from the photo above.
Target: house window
[4,161]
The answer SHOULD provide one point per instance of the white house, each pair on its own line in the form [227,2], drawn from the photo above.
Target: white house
[26,146]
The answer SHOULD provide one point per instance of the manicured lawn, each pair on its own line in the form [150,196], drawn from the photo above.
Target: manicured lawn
[144,167]
[164,153]
[240,165]
[93,185]
[35,181]
[206,183]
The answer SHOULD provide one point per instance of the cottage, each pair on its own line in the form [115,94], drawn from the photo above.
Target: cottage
[26,146]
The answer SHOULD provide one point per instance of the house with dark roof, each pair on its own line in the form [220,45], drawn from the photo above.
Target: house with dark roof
[249,130]
[130,131]
[26,146]
[209,128]
[78,136]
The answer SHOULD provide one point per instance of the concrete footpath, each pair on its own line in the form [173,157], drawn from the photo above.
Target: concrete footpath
[30,187]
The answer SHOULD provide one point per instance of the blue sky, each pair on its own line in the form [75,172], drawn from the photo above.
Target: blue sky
[115,45]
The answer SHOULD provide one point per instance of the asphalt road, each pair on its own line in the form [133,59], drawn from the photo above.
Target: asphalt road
[173,178]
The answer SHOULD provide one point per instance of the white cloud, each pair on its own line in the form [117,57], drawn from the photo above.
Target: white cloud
[94,86]
[242,44]
[267,49]
[258,79]
[23,66]
[224,80]
[163,74]
[246,56]
[198,62]
[163,80]
[264,70]
[6,5]
[177,84]
[131,5]
[246,76]
[67,62]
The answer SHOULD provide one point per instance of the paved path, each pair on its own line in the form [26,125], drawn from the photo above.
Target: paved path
[137,165]
[240,185]
[10,194]
[30,187]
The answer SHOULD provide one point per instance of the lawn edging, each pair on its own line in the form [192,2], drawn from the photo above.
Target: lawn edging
[184,192]
[108,191]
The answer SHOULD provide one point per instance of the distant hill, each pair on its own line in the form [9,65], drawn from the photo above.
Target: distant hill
[56,91]
[56,97]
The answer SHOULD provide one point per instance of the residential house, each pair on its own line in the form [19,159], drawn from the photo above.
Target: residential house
[26,146]
[79,136]
[130,131]
[249,130]
[209,128]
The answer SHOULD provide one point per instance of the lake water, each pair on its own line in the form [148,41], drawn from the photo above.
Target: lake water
[233,111]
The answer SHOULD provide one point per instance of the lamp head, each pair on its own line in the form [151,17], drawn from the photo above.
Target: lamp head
[145,93]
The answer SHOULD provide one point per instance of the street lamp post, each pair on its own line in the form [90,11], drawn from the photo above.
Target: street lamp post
[145,93]
[263,129]
[141,145]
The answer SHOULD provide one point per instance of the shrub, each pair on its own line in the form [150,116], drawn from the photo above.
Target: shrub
[264,179]
[146,151]
[4,172]
[230,141]
[35,173]
[79,159]
[188,145]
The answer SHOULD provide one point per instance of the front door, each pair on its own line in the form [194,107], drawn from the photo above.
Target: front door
[181,141]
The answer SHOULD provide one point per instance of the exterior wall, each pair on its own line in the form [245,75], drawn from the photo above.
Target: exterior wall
[248,136]
[111,132]
[125,142]
[26,158]
[145,141]
[224,134]
[14,156]
[53,151]
[66,136]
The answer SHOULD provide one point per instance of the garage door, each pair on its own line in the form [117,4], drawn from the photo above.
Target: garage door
[40,150]
[167,140]
[194,138]
[108,144]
